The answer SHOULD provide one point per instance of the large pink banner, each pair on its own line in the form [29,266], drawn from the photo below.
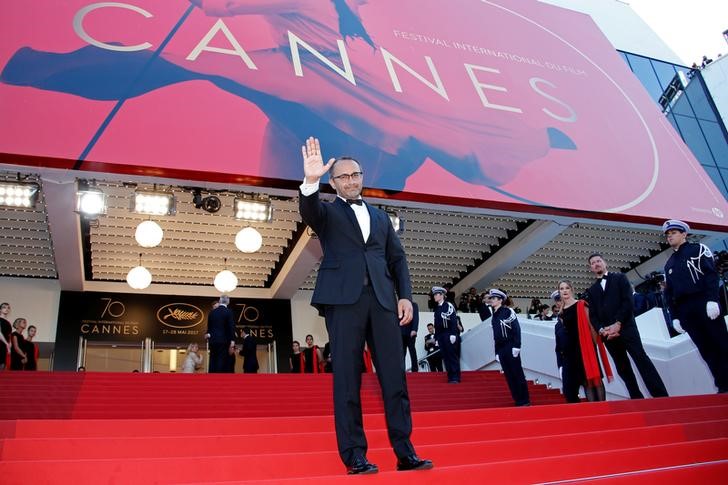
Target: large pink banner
[511,104]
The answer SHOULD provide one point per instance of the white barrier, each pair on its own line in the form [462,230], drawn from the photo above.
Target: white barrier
[677,359]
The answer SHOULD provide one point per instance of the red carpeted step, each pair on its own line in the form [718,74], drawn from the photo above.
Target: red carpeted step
[571,468]
[540,443]
[282,437]
[527,470]
[167,427]
[66,395]
[712,472]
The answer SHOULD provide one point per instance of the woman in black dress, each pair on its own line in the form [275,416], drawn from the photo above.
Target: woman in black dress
[18,355]
[5,331]
[31,349]
[296,359]
[312,356]
[578,344]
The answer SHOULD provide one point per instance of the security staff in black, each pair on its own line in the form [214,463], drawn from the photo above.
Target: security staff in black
[447,334]
[691,292]
[507,338]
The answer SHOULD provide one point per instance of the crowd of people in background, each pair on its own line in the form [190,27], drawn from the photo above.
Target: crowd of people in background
[18,351]
[313,359]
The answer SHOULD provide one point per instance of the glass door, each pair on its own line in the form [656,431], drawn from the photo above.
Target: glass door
[111,356]
[169,358]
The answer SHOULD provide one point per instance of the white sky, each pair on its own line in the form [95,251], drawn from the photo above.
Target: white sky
[691,28]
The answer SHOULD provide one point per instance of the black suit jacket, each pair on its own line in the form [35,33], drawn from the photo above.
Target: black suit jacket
[249,352]
[348,259]
[612,304]
[221,325]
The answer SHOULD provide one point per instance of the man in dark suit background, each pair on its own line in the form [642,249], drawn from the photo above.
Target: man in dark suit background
[221,336]
[249,352]
[612,315]
[364,292]
[409,336]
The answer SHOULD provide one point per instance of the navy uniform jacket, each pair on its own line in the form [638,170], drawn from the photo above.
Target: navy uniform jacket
[612,304]
[446,321]
[690,272]
[414,325]
[221,325]
[506,329]
[348,259]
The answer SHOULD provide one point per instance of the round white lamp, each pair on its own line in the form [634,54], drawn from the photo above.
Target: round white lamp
[248,240]
[226,281]
[139,278]
[148,234]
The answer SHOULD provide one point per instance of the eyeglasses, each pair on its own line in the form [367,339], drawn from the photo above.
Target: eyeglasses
[346,177]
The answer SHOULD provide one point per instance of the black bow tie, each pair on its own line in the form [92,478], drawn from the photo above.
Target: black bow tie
[604,277]
[354,201]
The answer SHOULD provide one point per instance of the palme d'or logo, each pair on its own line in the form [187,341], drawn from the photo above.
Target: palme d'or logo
[180,315]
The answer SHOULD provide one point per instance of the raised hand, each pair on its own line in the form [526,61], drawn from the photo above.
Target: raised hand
[313,163]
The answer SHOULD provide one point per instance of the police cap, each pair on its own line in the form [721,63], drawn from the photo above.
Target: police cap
[675,224]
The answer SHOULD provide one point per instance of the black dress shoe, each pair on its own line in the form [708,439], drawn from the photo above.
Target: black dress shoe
[361,466]
[413,462]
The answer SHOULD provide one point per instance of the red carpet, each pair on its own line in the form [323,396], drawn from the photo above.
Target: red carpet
[159,428]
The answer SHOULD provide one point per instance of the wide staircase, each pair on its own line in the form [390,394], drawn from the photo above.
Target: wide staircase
[94,428]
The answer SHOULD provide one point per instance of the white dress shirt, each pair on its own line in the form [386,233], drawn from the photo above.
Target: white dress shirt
[360,211]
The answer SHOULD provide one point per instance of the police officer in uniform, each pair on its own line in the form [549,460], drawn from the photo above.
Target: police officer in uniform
[447,334]
[507,337]
[691,292]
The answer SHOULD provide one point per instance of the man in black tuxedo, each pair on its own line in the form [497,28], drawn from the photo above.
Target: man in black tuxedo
[221,336]
[364,292]
[249,352]
[612,315]
[409,336]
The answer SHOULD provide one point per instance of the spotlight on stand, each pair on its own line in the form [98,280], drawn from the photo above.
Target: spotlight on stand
[154,203]
[90,201]
[19,194]
[210,204]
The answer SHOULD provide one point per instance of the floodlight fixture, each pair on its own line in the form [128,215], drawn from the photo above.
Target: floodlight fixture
[152,202]
[90,202]
[19,194]
[254,210]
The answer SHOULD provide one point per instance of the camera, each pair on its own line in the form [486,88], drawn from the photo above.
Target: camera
[721,262]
